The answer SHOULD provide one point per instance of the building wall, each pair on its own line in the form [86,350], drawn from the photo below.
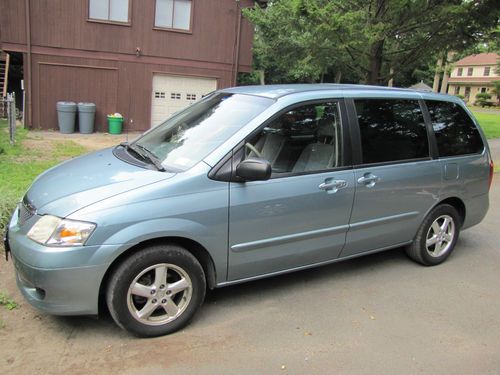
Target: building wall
[80,60]
[65,24]
[477,71]
[115,86]
[474,90]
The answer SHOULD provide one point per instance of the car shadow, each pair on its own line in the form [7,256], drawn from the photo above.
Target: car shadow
[249,292]
[312,276]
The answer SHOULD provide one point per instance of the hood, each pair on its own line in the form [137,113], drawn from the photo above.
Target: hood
[85,180]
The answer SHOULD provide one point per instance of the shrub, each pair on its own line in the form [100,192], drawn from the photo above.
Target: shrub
[483,96]
[7,205]
[483,99]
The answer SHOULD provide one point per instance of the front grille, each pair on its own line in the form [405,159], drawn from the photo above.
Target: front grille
[25,211]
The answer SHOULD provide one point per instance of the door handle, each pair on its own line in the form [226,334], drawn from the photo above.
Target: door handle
[369,180]
[332,186]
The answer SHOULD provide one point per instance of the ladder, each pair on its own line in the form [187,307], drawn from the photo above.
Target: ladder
[4,76]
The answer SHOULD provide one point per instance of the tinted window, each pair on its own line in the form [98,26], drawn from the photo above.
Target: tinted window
[455,131]
[304,139]
[391,130]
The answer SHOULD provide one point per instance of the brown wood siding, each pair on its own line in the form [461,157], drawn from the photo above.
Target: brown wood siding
[76,83]
[245,50]
[12,21]
[65,24]
[62,35]
[123,87]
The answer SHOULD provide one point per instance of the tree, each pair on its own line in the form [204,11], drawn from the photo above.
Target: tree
[368,40]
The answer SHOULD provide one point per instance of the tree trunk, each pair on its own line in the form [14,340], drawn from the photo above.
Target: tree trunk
[375,64]
[444,84]
[446,75]
[262,77]
[437,75]
[391,80]
[338,76]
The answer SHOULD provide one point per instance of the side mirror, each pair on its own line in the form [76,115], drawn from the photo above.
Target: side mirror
[253,169]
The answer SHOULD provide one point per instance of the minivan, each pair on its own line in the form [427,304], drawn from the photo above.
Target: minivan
[246,183]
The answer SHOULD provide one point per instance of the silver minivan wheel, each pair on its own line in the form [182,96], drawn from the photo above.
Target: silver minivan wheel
[436,236]
[159,294]
[440,236]
[156,290]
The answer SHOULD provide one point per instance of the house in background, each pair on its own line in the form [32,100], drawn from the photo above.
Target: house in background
[474,74]
[143,58]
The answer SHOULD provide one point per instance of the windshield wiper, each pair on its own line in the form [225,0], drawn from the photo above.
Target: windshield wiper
[144,153]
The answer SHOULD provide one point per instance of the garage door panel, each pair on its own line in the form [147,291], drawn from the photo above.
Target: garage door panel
[173,93]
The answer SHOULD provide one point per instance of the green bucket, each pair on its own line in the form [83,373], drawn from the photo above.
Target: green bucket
[115,125]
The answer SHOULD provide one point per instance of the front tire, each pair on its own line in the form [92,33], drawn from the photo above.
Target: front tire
[156,291]
[436,237]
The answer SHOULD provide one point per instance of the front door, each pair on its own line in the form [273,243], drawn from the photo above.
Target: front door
[300,216]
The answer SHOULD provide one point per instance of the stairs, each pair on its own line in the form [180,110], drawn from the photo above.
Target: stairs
[4,76]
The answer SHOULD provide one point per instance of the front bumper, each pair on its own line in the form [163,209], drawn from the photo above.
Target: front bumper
[59,281]
[66,291]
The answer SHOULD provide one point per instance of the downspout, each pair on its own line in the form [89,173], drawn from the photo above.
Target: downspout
[237,46]
[28,46]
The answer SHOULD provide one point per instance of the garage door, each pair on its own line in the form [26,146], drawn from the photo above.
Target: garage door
[172,93]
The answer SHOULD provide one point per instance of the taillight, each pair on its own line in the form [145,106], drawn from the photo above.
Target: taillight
[491,173]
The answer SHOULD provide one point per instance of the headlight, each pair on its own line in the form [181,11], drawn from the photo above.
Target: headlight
[53,231]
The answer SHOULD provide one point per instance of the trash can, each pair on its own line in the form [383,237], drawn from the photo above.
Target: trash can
[86,117]
[115,124]
[66,113]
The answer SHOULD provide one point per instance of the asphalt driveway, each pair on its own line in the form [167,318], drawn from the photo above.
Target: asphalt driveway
[380,314]
[495,150]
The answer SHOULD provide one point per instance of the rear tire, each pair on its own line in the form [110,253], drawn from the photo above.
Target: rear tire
[436,237]
[156,291]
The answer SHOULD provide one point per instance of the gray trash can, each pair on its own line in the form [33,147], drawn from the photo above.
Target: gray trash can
[86,117]
[66,113]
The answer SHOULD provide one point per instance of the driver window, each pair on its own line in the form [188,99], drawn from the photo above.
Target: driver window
[304,139]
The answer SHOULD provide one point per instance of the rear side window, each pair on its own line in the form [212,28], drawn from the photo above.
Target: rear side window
[391,130]
[456,133]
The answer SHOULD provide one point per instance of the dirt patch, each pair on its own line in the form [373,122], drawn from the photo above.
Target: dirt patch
[95,141]
[38,148]
[46,145]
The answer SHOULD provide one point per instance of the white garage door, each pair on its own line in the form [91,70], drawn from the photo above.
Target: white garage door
[172,93]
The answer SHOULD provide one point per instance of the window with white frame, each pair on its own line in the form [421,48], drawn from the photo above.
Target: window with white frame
[487,71]
[173,14]
[109,10]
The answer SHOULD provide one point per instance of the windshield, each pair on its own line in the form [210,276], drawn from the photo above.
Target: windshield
[187,137]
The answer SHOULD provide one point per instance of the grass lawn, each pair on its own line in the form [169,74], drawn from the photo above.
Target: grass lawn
[22,162]
[490,123]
